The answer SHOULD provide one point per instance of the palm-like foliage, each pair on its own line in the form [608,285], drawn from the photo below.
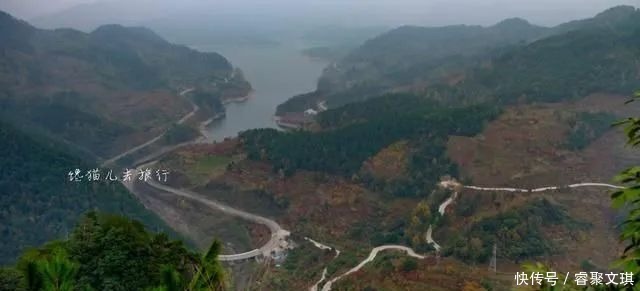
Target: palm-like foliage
[212,272]
[632,125]
[630,198]
[49,270]
[57,273]
[108,252]
[208,274]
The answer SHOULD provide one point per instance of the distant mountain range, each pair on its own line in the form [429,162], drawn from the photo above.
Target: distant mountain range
[412,58]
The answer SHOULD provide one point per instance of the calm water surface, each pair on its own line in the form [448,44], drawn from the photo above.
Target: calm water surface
[276,72]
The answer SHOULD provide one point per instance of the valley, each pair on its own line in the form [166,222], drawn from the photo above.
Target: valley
[429,158]
[275,72]
[94,98]
[237,170]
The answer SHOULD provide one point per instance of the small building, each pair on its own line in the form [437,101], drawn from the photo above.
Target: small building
[310,112]
[322,106]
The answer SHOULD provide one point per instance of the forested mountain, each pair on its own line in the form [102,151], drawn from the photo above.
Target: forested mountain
[68,99]
[420,59]
[104,90]
[411,45]
[611,17]
[371,68]
[37,200]
[109,252]
[568,66]
[356,132]
[402,109]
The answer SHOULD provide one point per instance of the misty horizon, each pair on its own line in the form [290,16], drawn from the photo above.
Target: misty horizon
[206,145]
[88,14]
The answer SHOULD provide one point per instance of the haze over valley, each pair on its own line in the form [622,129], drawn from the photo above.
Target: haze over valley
[317,145]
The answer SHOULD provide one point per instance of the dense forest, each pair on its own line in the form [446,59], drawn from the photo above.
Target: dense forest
[518,233]
[593,60]
[37,200]
[356,132]
[404,47]
[109,252]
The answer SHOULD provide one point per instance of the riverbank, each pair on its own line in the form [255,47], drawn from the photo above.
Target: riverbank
[275,73]
[239,99]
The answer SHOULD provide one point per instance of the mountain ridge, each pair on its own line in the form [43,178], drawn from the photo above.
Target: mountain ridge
[69,99]
[123,80]
[425,56]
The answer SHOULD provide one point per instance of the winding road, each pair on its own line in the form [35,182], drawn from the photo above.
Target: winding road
[322,278]
[455,186]
[279,235]
[278,240]
[324,272]
[155,139]
[374,252]
[542,189]
[372,255]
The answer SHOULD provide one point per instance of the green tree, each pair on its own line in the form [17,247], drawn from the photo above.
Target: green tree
[109,252]
[629,197]
[409,265]
[208,274]
[57,273]
[11,280]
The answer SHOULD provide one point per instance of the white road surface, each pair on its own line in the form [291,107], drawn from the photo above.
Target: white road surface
[542,189]
[155,139]
[324,272]
[372,256]
[451,184]
[278,234]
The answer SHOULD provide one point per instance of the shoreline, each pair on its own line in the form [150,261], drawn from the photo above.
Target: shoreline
[240,99]
[217,116]
[202,128]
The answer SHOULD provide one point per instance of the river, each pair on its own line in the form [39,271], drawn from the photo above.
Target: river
[276,73]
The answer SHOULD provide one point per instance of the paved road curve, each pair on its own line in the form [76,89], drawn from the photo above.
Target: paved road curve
[455,186]
[321,246]
[542,189]
[278,234]
[155,139]
[372,256]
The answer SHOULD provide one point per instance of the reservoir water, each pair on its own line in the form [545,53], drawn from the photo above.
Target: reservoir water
[276,73]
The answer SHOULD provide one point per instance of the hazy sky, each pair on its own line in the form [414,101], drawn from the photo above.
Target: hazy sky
[364,12]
